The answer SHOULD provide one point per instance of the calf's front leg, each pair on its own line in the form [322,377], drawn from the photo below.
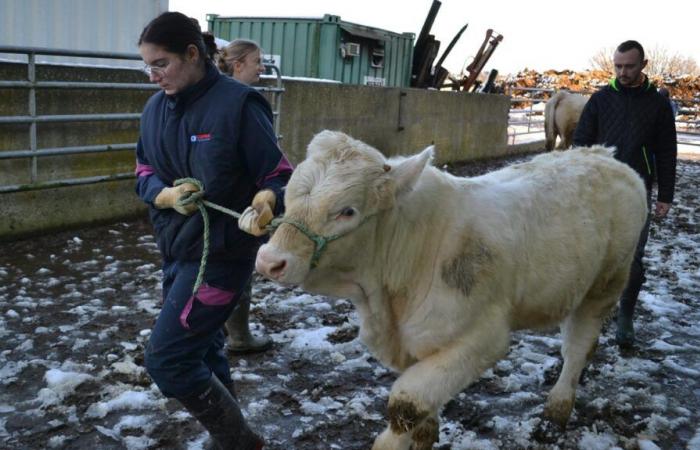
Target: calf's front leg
[426,386]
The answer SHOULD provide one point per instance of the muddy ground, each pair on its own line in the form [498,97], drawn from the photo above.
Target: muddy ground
[83,301]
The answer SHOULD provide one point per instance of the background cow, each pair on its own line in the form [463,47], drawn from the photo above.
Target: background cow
[561,115]
[441,269]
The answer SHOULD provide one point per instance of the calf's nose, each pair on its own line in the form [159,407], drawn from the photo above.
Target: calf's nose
[269,264]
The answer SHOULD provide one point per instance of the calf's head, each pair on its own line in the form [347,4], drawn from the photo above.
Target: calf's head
[333,202]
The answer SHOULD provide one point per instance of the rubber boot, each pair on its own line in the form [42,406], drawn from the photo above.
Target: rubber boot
[231,388]
[628,300]
[240,340]
[219,413]
[625,325]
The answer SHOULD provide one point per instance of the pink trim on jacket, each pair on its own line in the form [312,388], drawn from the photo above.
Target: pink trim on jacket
[283,166]
[207,295]
[143,170]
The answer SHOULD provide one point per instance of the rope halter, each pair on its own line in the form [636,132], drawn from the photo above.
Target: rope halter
[320,242]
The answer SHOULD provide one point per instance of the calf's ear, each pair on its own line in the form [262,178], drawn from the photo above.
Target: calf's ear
[406,173]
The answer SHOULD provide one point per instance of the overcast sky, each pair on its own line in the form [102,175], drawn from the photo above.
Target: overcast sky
[539,34]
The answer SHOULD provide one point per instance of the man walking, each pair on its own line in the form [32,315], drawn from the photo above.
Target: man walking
[631,115]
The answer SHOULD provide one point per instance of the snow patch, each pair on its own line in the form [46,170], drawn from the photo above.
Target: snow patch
[129,400]
[60,384]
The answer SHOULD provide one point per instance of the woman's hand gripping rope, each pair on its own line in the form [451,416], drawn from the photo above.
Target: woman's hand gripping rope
[256,218]
[172,197]
[187,195]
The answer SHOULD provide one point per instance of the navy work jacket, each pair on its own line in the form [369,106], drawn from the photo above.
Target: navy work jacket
[218,131]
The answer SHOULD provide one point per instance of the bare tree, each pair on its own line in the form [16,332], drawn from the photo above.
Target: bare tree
[661,62]
[602,60]
[664,63]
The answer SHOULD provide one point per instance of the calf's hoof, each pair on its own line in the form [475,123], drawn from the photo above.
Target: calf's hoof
[387,440]
[425,435]
[404,415]
[546,432]
[559,411]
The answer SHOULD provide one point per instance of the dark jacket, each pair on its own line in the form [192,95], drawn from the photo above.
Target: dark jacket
[639,123]
[218,131]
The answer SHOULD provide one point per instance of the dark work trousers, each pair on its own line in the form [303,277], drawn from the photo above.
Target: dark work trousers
[628,300]
[187,341]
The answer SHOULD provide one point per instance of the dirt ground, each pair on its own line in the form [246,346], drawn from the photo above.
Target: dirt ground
[84,300]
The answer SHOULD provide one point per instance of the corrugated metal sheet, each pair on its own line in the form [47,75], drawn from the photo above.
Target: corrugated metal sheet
[311,47]
[97,25]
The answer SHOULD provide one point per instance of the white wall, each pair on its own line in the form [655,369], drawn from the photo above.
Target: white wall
[95,25]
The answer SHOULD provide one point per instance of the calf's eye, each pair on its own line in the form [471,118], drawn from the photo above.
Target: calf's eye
[347,212]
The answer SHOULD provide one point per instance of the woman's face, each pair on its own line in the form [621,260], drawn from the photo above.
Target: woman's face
[248,71]
[171,71]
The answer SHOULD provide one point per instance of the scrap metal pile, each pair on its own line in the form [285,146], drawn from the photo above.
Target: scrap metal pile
[427,74]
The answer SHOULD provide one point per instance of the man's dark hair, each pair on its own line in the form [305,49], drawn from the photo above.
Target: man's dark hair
[175,31]
[629,45]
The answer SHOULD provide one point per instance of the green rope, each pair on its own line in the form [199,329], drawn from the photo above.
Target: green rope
[198,199]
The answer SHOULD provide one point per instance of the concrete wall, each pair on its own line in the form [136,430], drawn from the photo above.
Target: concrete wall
[396,121]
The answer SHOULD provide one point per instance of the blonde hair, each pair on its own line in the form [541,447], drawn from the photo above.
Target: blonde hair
[236,50]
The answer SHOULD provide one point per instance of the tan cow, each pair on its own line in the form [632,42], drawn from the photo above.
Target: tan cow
[441,269]
[561,115]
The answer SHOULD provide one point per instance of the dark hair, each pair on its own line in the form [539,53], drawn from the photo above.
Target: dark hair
[629,45]
[175,32]
[663,91]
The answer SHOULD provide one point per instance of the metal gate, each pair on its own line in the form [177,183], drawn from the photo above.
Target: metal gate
[33,153]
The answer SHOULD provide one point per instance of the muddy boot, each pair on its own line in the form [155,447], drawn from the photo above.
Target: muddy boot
[219,413]
[240,340]
[625,326]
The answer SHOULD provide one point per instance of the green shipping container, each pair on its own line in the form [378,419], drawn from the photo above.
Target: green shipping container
[326,48]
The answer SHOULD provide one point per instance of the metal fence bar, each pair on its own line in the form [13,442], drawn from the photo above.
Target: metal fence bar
[268,89]
[70,118]
[276,102]
[76,85]
[62,183]
[63,151]
[31,77]
[526,89]
[95,85]
[532,126]
[62,52]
